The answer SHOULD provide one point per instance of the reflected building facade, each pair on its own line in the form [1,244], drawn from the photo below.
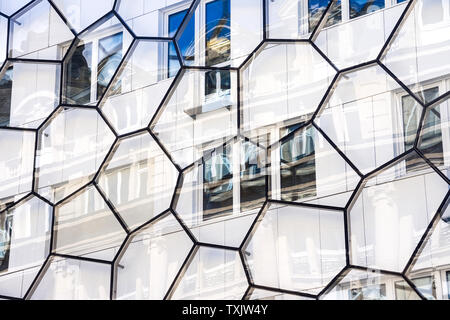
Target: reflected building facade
[225,149]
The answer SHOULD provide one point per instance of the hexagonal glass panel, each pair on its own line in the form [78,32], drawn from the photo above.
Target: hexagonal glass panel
[24,245]
[16,164]
[282,84]
[152,260]
[361,40]
[370,118]
[218,33]
[222,193]
[70,279]
[392,213]
[82,13]
[305,167]
[296,248]
[85,226]
[429,267]
[139,179]
[38,32]
[371,285]
[418,54]
[199,114]
[144,16]
[139,88]
[71,147]
[212,274]
[93,61]
[29,92]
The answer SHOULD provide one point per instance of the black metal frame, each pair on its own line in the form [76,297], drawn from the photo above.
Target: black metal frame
[160,109]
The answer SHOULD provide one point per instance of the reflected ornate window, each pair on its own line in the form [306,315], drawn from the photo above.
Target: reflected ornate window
[5,96]
[5,240]
[186,49]
[362,7]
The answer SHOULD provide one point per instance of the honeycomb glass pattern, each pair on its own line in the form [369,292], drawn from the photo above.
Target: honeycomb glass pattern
[224,149]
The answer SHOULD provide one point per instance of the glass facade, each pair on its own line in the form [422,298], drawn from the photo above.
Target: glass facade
[197,149]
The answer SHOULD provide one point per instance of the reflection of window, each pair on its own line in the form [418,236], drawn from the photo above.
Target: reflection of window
[5,97]
[83,71]
[448,283]
[253,181]
[362,7]
[298,165]
[184,43]
[5,240]
[217,183]
[425,284]
[369,292]
[431,138]
[316,9]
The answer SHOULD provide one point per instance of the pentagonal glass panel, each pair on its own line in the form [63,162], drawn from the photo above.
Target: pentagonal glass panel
[282,84]
[213,274]
[218,33]
[430,265]
[200,114]
[29,92]
[70,279]
[432,142]
[9,7]
[392,213]
[24,245]
[288,19]
[371,285]
[85,226]
[71,147]
[38,32]
[93,61]
[370,118]
[139,179]
[306,168]
[260,294]
[296,248]
[222,193]
[139,88]
[360,40]
[82,13]
[418,54]
[16,164]
[152,260]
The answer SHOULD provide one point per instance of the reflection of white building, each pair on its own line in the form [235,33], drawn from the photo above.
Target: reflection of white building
[365,113]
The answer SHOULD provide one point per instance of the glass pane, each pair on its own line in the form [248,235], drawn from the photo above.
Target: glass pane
[362,7]
[38,32]
[152,260]
[213,274]
[24,245]
[109,57]
[316,9]
[392,213]
[404,292]
[296,248]
[78,75]
[69,279]
[85,226]
[448,283]
[138,179]
[71,148]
